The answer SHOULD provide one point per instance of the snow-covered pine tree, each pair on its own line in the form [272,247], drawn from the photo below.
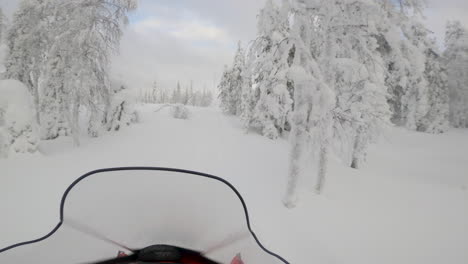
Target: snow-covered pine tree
[223,87]
[122,112]
[456,62]
[231,84]
[274,51]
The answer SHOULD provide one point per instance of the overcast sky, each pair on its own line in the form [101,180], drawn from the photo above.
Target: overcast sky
[171,40]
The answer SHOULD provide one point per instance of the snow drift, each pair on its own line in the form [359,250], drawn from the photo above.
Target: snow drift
[17,128]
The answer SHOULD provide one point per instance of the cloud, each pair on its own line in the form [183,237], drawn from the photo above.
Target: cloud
[196,31]
[184,29]
[159,50]
[169,42]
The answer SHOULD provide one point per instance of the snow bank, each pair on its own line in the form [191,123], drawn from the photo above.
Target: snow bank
[17,128]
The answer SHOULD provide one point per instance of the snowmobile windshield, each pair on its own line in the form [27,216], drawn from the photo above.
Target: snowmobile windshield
[140,207]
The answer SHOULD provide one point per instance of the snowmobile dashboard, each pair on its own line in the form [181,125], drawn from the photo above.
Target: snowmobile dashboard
[160,254]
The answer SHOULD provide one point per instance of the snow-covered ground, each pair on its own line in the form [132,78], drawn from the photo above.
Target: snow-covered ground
[407,205]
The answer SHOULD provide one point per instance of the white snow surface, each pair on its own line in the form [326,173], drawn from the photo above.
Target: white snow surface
[407,205]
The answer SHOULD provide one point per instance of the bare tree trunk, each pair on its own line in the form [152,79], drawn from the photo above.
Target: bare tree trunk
[322,169]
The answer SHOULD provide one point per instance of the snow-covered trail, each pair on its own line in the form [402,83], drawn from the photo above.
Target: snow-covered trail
[409,204]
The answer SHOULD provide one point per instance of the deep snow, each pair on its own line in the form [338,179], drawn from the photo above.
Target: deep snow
[409,203]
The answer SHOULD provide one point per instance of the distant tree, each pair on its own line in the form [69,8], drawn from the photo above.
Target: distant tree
[154,92]
[177,95]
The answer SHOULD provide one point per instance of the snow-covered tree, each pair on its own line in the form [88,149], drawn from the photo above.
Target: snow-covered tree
[61,50]
[274,54]
[456,61]
[223,87]
[414,76]
[28,41]
[311,119]
[122,112]
[353,69]
[231,84]
[87,32]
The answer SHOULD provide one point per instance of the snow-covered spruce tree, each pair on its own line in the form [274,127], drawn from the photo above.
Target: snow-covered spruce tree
[223,87]
[274,51]
[28,41]
[231,84]
[86,34]
[311,118]
[456,62]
